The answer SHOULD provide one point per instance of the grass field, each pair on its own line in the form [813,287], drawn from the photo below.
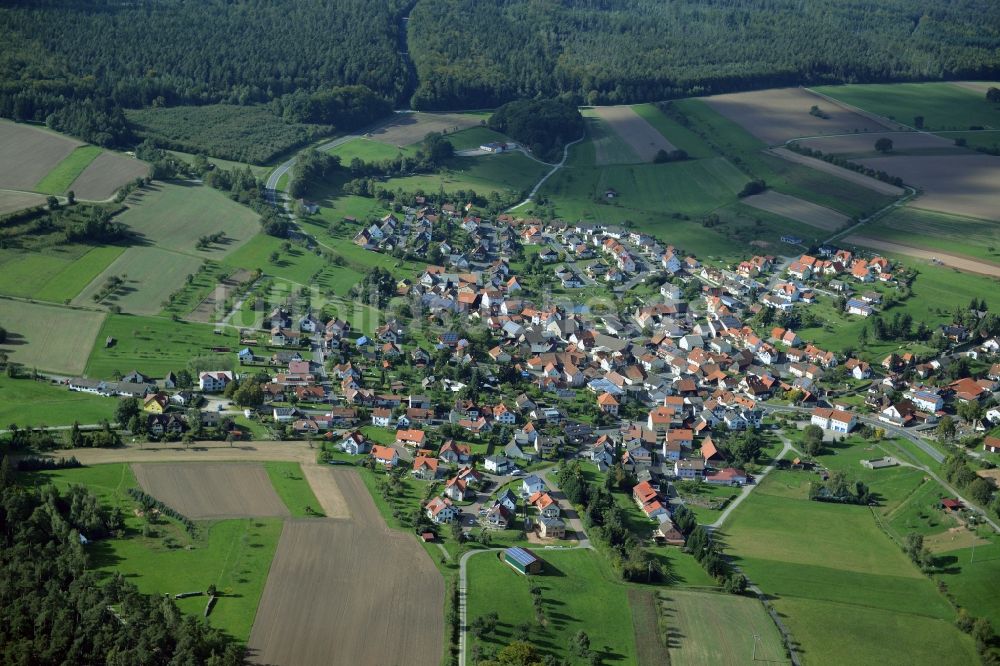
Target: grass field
[228,165]
[55,274]
[234,555]
[683,138]
[28,402]
[367,150]
[645,627]
[816,560]
[174,216]
[570,584]
[47,337]
[151,275]
[939,231]
[59,179]
[154,346]
[709,628]
[511,172]
[609,148]
[972,580]
[944,106]
[472,138]
[296,265]
[292,488]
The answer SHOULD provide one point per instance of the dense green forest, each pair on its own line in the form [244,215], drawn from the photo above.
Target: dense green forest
[475,53]
[54,611]
[544,126]
[89,59]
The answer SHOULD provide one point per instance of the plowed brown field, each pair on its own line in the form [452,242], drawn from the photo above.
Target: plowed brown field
[212,490]
[642,137]
[29,153]
[102,177]
[347,592]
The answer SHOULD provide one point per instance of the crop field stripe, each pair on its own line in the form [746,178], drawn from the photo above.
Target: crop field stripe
[650,650]
[30,153]
[58,180]
[48,337]
[106,174]
[212,490]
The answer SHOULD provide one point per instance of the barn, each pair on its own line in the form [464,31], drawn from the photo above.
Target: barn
[522,560]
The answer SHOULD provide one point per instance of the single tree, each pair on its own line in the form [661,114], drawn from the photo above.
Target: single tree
[883,145]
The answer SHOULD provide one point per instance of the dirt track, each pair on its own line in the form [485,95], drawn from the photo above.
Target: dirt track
[799,210]
[953,260]
[349,592]
[634,130]
[212,490]
[774,116]
[839,172]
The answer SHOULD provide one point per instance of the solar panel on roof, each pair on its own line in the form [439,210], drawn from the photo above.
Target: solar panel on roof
[521,556]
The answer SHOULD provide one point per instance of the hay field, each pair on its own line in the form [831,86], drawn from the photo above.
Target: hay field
[48,337]
[409,128]
[11,200]
[152,275]
[840,172]
[174,216]
[102,177]
[635,130]
[212,490]
[349,592]
[774,116]
[955,261]
[976,86]
[30,153]
[864,144]
[609,148]
[798,209]
[715,629]
[960,184]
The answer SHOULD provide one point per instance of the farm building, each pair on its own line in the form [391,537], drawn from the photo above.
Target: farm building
[522,560]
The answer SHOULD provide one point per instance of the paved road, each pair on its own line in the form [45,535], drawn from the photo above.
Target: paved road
[747,489]
[544,178]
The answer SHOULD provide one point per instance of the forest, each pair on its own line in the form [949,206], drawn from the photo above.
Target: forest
[472,54]
[54,611]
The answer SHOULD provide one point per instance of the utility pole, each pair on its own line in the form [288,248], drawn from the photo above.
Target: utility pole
[756,637]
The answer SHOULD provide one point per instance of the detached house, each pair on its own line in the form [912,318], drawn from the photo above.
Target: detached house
[214,382]
[440,510]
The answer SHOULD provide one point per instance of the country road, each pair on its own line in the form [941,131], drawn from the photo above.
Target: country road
[548,175]
[748,488]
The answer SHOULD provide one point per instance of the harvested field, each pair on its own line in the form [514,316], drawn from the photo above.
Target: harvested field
[210,305]
[409,128]
[642,137]
[322,480]
[349,592]
[212,490]
[799,210]
[174,216]
[959,184]
[30,153]
[49,337]
[200,452]
[840,172]
[954,538]
[775,116]
[106,174]
[976,86]
[152,275]
[11,200]
[864,144]
[953,260]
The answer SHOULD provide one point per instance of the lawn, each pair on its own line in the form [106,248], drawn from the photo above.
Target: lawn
[939,232]
[26,402]
[48,337]
[821,560]
[293,489]
[296,265]
[56,273]
[713,628]
[234,555]
[571,585]
[62,176]
[173,216]
[155,346]
[944,106]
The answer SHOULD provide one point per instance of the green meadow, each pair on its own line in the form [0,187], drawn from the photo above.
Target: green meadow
[26,402]
[944,106]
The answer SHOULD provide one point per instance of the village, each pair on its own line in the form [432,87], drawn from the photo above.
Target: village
[501,368]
